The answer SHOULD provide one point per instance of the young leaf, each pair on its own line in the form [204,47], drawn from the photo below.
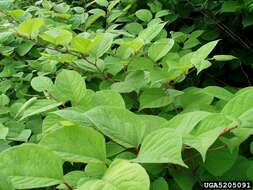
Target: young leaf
[100,45]
[57,36]
[31,166]
[76,144]
[151,32]
[30,27]
[81,44]
[144,15]
[41,83]
[160,48]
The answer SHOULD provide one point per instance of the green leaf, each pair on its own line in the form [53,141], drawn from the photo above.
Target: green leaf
[41,83]
[96,184]
[160,48]
[153,123]
[206,133]
[31,166]
[218,92]
[121,125]
[159,184]
[57,36]
[30,27]
[24,48]
[148,34]
[95,170]
[39,107]
[69,86]
[76,144]
[185,123]
[239,104]
[100,45]
[133,82]
[199,56]
[224,57]
[225,161]
[144,15]
[230,6]
[161,146]
[81,44]
[121,175]
[102,2]
[72,178]
[156,97]
[107,98]
[5,183]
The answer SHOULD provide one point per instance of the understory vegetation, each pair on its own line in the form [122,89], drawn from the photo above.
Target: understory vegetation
[125,94]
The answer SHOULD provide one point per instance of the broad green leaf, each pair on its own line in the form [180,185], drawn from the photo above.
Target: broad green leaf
[96,14]
[160,48]
[153,123]
[160,184]
[5,183]
[69,86]
[81,44]
[108,98]
[220,161]
[57,36]
[102,2]
[76,144]
[41,83]
[96,184]
[31,166]
[151,32]
[239,104]
[144,15]
[121,125]
[125,175]
[30,27]
[218,92]
[161,146]
[61,7]
[186,122]
[95,170]
[121,175]
[156,97]
[206,133]
[100,45]
[193,98]
[133,82]
[24,48]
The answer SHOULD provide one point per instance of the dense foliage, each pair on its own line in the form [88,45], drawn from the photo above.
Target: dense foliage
[125,94]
